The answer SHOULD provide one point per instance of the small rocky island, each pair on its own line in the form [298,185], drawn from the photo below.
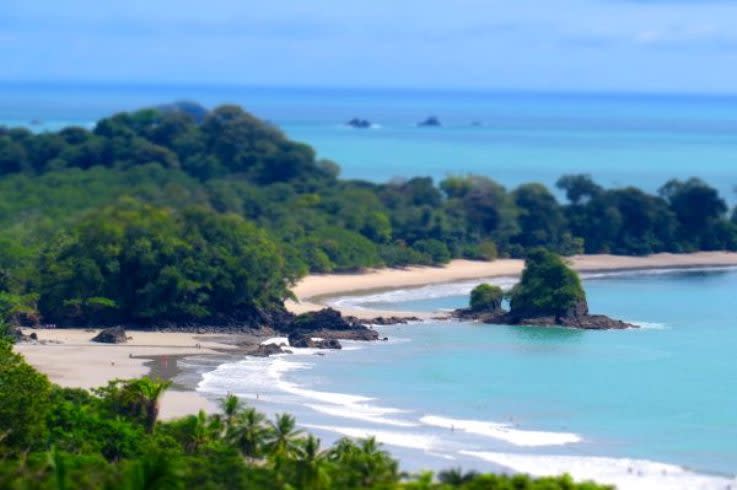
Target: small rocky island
[548,294]
[359,123]
[430,122]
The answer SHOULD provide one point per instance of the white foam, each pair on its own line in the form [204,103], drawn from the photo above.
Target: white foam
[463,288]
[393,438]
[648,325]
[264,380]
[366,413]
[431,291]
[276,341]
[504,432]
[626,474]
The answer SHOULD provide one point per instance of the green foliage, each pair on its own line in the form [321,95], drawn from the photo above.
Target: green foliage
[180,214]
[24,395]
[133,262]
[436,251]
[547,287]
[486,297]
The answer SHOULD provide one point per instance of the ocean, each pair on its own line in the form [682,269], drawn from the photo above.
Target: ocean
[512,137]
[634,407]
[610,405]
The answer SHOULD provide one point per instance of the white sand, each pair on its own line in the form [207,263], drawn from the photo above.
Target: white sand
[310,289]
[78,362]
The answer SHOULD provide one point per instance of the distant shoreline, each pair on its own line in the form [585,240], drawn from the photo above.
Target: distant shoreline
[313,290]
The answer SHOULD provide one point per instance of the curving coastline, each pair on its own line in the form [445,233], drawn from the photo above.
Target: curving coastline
[313,290]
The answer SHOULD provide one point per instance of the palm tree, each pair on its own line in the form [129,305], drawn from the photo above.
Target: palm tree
[249,432]
[231,405]
[154,472]
[456,477]
[196,431]
[375,465]
[311,467]
[282,440]
[142,397]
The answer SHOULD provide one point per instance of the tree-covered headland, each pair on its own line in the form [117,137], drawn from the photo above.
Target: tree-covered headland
[181,214]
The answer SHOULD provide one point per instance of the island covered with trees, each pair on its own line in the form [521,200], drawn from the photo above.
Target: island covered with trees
[548,293]
[183,215]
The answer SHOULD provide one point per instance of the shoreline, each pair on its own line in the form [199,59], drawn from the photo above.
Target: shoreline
[312,291]
[70,359]
[81,363]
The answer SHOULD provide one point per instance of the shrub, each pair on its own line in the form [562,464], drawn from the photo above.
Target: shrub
[486,297]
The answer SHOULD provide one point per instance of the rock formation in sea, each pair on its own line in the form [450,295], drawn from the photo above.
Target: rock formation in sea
[266,350]
[302,340]
[431,121]
[359,123]
[548,294]
[330,324]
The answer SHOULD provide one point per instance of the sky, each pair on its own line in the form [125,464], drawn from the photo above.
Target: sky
[545,45]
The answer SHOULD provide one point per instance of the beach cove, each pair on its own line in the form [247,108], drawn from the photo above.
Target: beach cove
[365,403]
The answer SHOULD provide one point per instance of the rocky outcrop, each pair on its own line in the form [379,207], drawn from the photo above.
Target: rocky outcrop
[19,337]
[330,324]
[304,340]
[577,316]
[387,320]
[431,121]
[359,123]
[266,350]
[112,335]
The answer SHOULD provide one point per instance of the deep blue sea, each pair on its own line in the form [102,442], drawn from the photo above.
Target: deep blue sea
[621,140]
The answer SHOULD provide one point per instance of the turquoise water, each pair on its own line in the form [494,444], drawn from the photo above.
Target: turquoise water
[620,139]
[666,392]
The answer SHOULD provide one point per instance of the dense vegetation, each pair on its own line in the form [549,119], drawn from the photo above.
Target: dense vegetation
[486,297]
[182,214]
[547,286]
[60,438]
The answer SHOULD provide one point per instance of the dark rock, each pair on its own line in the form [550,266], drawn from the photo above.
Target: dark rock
[330,324]
[305,340]
[19,337]
[389,320]
[112,335]
[577,316]
[33,336]
[359,123]
[431,121]
[266,350]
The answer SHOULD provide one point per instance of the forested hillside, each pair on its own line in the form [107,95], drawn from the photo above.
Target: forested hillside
[183,214]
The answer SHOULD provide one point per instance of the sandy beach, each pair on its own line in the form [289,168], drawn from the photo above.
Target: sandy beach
[69,358]
[311,290]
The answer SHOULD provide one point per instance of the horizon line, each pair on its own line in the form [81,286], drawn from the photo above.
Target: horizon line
[111,84]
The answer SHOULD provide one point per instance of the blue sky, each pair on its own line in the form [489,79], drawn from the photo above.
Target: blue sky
[620,45]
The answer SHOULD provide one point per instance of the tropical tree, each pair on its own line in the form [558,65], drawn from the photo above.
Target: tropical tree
[283,438]
[249,432]
[138,398]
[312,466]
